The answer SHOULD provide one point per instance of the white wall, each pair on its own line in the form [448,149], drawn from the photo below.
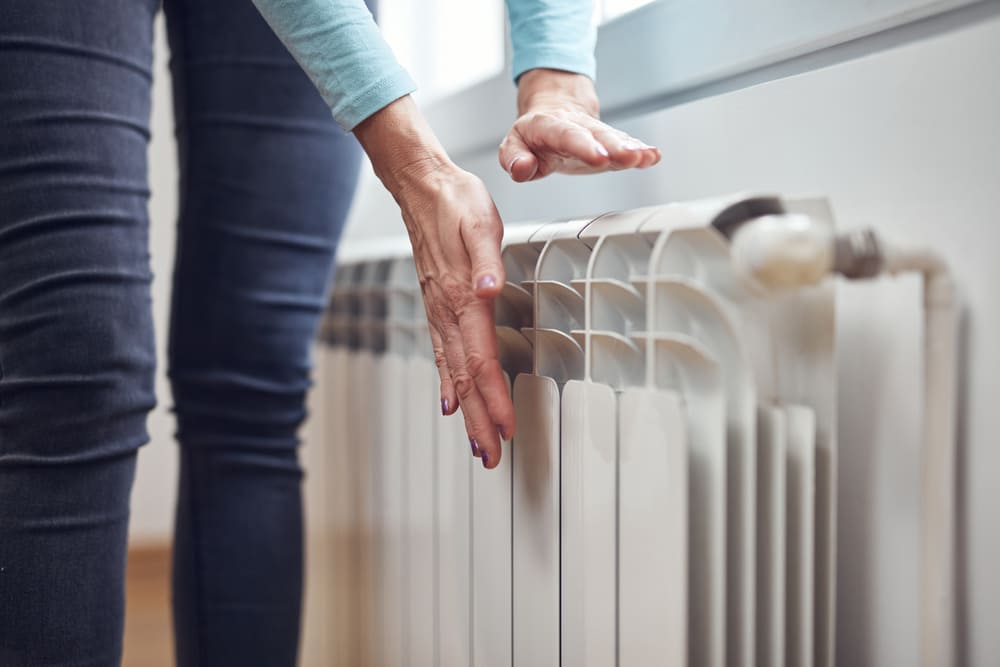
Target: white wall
[154,492]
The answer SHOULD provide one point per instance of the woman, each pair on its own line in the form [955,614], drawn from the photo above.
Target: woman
[266,180]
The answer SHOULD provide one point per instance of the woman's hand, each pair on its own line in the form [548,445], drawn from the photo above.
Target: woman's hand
[455,231]
[558,130]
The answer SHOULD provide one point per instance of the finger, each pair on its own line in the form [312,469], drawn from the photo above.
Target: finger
[517,159]
[449,401]
[651,157]
[481,237]
[567,139]
[483,436]
[626,152]
[483,365]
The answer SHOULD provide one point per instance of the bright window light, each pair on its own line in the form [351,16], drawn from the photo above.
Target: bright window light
[446,45]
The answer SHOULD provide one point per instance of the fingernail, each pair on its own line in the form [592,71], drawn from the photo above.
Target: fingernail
[475,446]
[633,146]
[510,167]
[601,150]
[444,406]
[486,282]
[502,431]
[486,460]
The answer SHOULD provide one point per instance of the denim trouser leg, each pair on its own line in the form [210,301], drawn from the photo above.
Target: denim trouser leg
[76,334]
[267,179]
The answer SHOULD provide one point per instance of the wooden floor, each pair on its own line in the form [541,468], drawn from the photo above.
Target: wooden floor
[148,640]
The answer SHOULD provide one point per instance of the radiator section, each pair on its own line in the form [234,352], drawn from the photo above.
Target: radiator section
[668,497]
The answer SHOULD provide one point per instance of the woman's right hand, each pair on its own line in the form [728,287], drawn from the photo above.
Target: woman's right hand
[455,231]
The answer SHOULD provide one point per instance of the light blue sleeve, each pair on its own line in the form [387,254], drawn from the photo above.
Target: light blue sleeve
[339,46]
[557,34]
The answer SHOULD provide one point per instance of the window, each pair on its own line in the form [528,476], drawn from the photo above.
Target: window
[446,45]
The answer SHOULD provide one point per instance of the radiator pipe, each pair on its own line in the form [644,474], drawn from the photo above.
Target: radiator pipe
[938,521]
[784,251]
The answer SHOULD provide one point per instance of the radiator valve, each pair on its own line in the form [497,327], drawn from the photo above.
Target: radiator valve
[792,250]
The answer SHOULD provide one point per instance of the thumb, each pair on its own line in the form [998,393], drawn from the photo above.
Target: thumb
[482,242]
[517,159]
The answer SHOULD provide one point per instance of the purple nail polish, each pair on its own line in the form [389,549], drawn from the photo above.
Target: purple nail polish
[475,447]
[486,282]
[444,406]
[502,431]
[486,460]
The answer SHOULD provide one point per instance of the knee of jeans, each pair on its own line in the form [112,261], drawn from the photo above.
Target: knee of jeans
[77,372]
[240,371]
[257,409]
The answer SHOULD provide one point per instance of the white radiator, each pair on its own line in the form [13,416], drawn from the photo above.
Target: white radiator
[669,496]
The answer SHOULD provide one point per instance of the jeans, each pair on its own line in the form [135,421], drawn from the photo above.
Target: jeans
[266,179]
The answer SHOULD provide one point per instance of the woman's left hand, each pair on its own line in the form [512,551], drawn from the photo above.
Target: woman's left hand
[558,130]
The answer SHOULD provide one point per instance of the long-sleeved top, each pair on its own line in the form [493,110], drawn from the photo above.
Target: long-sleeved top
[339,46]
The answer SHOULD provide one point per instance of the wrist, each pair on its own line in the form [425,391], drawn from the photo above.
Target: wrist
[403,149]
[540,88]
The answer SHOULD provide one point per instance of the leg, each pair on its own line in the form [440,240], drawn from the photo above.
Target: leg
[267,179]
[76,335]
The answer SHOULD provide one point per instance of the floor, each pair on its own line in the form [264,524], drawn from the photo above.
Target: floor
[148,641]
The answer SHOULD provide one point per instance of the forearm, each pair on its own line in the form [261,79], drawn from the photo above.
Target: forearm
[401,146]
